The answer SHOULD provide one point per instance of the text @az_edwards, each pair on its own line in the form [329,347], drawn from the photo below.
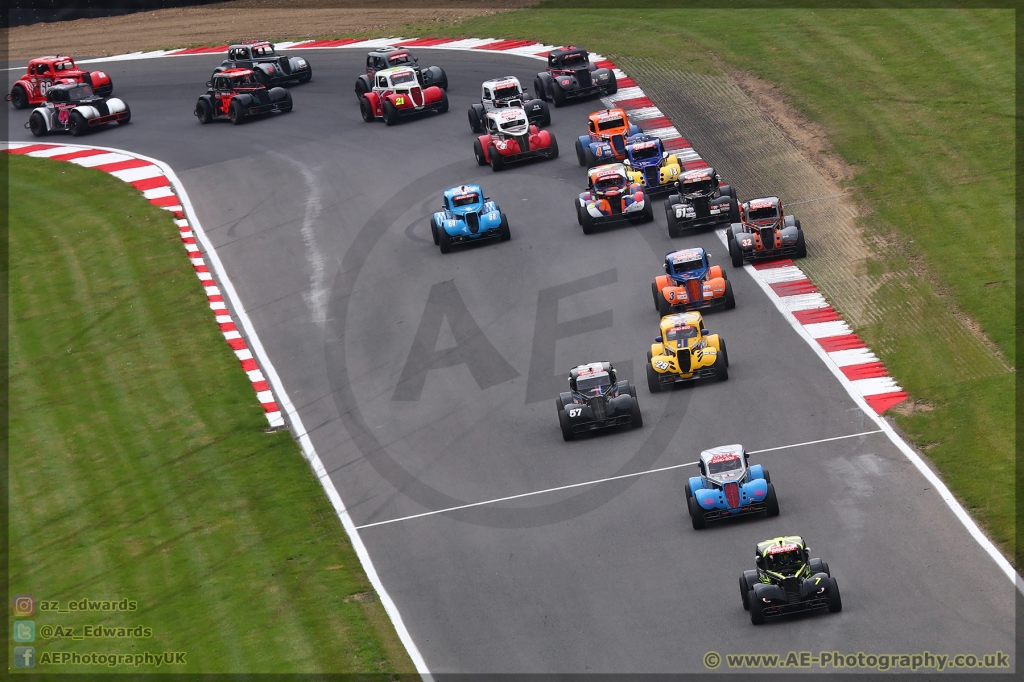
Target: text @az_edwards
[838,660]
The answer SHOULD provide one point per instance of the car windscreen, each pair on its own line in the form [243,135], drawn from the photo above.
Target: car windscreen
[574,59]
[767,213]
[263,51]
[80,92]
[610,183]
[464,199]
[783,561]
[403,78]
[64,66]
[722,465]
[610,124]
[507,92]
[698,187]
[680,334]
[246,81]
[515,123]
[687,263]
[645,153]
[587,383]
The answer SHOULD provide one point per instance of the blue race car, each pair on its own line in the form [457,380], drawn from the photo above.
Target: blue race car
[467,216]
[650,165]
[692,283]
[729,487]
[610,132]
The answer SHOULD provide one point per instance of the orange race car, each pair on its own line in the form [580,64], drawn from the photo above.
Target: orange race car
[609,133]
[691,283]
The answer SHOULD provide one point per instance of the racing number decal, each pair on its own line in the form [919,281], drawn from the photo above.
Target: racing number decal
[747,242]
[399,101]
[660,364]
[43,87]
[575,412]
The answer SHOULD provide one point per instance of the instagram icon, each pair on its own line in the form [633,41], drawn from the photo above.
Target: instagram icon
[24,605]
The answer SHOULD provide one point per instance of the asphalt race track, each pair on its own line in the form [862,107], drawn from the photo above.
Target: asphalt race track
[428,381]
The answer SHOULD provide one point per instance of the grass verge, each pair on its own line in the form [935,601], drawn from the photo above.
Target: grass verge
[921,104]
[139,464]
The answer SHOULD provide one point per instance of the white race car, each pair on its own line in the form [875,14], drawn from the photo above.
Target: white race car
[75,108]
[504,92]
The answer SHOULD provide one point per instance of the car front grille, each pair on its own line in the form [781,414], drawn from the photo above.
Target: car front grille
[417,96]
[473,222]
[732,494]
[583,76]
[262,96]
[791,586]
[695,290]
[599,406]
[701,207]
[524,142]
[767,235]
[652,175]
[285,65]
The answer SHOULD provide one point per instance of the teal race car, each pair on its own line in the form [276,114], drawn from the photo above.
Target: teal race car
[467,216]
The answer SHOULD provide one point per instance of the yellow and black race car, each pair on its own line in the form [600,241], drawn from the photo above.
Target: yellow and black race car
[684,351]
[786,580]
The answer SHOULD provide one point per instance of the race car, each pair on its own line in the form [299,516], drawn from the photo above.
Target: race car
[690,282]
[570,75]
[75,108]
[729,487]
[235,94]
[267,66]
[467,216]
[45,72]
[596,400]
[384,58]
[504,92]
[765,232]
[650,165]
[685,352]
[701,201]
[609,132]
[786,580]
[611,197]
[511,138]
[396,93]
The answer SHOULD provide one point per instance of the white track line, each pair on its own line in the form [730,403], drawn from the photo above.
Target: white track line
[594,482]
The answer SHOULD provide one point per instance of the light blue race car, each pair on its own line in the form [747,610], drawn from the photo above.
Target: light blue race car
[729,487]
[467,216]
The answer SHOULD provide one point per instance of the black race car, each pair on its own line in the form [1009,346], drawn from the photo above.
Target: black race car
[74,108]
[570,75]
[389,57]
[268,67]
[701,200]
[236,95]
[596,399]
[786,580]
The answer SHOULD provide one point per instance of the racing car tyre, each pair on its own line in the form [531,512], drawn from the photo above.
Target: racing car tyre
[771,502]
[730,298]
[261,78]
[539,89]
[664,307]
[444,102]
[37,124]
[745,593]
[653,380]
[734,210]
[236,113]
[613,85]
[361,88]
[497,163]
[587,221]
[19,98]
[506,234]
[835,600]
[308,76]
[756,612]
[673,225]
[77,124]
[565,424]
[801,246]
[444,240]
[366,110]
[654,293]
[474,120]
[579,212]
[721,367]
[818,566]
[637,419]
[390,113]
[735,253]
[724,350]
[727,191]
[648,211]
[767,476]
[286,105]
[204,112]
[686,489]
[579,153]
[553,149]
[697,519]
[589,157]
[127,116]
[557,94]
[434,231]
[478,152]
[546,115]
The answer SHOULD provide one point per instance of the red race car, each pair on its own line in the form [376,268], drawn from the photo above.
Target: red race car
[397,93]
[30,90]
[511,138]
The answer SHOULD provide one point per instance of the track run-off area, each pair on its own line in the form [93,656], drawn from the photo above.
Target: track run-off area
[425,385]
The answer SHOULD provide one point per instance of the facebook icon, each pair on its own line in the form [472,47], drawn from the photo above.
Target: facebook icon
[24,657]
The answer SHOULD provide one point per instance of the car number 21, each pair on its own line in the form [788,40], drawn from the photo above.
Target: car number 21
[575,411]
[399,101]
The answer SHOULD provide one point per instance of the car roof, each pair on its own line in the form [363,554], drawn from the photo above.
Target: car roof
[690,318]
[698,174]
[764,202]
[391,71]
[234,72]
[695,251]
[497,81]
[507,113]
[765,546]
[736,450]
[607,169]
[463,189]
[385,50]
[590,368]
[50,58]
[567,49]
[605,114]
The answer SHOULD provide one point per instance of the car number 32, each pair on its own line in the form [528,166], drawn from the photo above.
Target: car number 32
[575,411]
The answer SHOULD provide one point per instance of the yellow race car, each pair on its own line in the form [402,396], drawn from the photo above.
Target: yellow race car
[684,351]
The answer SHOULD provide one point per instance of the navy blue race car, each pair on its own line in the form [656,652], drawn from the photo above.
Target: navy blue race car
[728,487]
[650,165]
[467,216]
[691,282]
